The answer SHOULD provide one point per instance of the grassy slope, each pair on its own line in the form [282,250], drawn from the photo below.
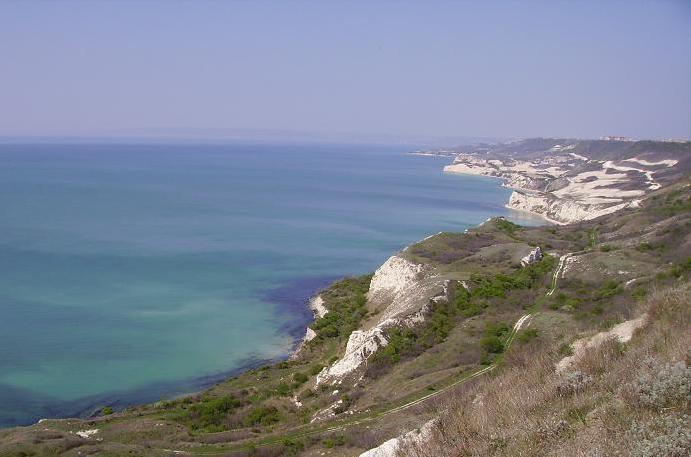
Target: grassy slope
[621,399]
[650,246]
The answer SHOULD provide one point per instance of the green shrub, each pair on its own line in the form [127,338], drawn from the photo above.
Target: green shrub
[333,441]
[492,344]
[107,410]
[316,369]
[300,378]
[493,341]
[528,335]
[639,293]
[507,227]
[292,446]
[565,349]
[208,414]
[645,247]
[262,415]
[608,289]
[283,389]
[346,301]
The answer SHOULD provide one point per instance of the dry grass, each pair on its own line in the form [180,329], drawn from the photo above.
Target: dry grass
[626,400]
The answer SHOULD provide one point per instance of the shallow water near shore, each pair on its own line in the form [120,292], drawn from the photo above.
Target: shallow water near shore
[135,272]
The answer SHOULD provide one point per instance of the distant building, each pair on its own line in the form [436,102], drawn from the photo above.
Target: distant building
[616,138]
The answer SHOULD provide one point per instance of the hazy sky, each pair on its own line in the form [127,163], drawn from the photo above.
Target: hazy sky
[432,68]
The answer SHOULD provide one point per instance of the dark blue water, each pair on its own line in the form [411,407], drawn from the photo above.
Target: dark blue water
[134,272]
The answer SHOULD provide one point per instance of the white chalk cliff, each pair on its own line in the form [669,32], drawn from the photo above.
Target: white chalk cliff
[562,210]
[568,188]
[402,290]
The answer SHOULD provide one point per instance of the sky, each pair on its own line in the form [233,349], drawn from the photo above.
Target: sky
[433,69]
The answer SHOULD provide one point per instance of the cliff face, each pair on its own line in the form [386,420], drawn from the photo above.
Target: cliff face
[400,292]
[561,210]
[569,181]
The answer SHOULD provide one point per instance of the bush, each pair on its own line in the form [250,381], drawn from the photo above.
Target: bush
[608,289]
[507,227]
[300,378]
[645,247]
[492,344]
[346,301]
[662,386]
[565,349]
[209,414]
[332,441]
[316,369]
[572,382]
[107,410]
[283,389]
[263,415]
[528,335]
[667,436]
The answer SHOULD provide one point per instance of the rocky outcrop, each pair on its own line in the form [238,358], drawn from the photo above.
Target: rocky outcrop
[361,345]
[392,278]
[533,256]
[564,186]
[317,306]
[401,290]
[563,211]
[622,333]
[319,310]
[391,447]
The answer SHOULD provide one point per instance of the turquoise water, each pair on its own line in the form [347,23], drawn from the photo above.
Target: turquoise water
[132,272]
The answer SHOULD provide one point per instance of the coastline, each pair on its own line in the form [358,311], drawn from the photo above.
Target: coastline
[504,183]
[564,189]
[534,214]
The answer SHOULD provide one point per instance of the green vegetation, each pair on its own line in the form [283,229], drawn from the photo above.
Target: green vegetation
[674,203]
[608,289]
[262,415]
[207,415]
[346,302]
[565,302]
[528,335]
[493,341]
[444,316]
[507,227]
[489,286]
[107,410]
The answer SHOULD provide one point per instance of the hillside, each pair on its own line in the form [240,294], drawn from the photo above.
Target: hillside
[458,334]
[566,180]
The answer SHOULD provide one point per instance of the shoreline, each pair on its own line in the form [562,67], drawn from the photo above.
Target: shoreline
[89,407]
[504,183]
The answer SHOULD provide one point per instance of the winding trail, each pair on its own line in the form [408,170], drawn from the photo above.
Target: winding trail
[558,271]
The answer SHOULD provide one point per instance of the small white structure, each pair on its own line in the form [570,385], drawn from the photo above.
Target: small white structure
[534,256]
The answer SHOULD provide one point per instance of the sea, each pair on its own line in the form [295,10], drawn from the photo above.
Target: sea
[131,273]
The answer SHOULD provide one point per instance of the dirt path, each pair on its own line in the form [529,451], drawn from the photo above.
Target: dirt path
[558,271]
